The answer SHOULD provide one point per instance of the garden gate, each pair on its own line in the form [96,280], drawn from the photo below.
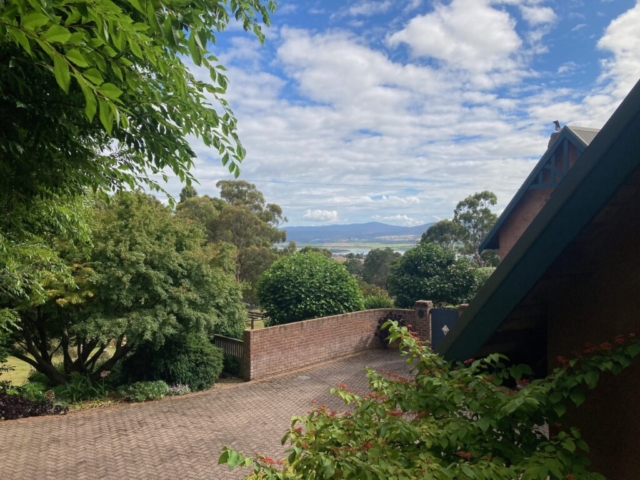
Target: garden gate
[442,320]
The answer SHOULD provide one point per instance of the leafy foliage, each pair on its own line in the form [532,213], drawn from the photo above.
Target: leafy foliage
[481,275]
[377,301]
[310,285]
[177,390]
[16,406]
[472,222]
[475,215]
[79,387]
[33,390]
[446,233]
[427,272]
[98,96]
[382,331]
[242,218]
[117,92]
[377,266]
[182,359]
[231,365]
[355,266]
[147,276]
[144,391]
[448,422]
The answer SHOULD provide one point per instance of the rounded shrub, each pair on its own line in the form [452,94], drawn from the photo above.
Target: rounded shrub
[307,285]
[184,359]
[377,301]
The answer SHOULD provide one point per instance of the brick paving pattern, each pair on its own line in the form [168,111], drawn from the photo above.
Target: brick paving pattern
[177,438]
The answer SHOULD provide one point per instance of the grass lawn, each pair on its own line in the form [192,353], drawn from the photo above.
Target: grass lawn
[19,375]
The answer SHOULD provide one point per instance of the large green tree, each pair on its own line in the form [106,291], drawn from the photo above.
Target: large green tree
[428,272]
[377,265]
[446,233]
[242,218]
[475,215]
[472,222]
[146,277]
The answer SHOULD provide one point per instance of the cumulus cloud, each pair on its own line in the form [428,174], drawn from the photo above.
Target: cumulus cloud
[321,215]
[622,40]
[367,132]
[467,34]
[538,15]
[368,8]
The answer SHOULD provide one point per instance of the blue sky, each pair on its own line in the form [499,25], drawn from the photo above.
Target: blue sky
[393,110]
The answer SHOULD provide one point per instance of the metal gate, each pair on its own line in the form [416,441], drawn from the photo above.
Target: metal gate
[442,320]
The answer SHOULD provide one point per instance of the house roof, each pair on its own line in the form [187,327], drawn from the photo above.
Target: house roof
[606,164]
[581,137]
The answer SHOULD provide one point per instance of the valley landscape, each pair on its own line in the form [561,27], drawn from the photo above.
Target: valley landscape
[357,237]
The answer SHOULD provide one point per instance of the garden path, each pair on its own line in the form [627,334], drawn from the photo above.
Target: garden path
[180,437]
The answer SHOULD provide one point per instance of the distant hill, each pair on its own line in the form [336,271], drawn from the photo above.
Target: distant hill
[356,232]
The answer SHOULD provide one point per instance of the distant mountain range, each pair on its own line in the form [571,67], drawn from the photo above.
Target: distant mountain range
[356,232]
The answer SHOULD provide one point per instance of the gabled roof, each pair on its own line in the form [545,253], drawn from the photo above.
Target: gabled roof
[581,137]
[606,164]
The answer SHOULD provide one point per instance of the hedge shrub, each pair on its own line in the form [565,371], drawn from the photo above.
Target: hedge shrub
[184,359]
[377,301]
[307,285]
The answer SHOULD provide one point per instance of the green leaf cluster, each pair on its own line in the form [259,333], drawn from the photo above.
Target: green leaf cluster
[242,218]
[472,222]
[146,277]
[377,266]
[447,422]
[428,272]
[307,285]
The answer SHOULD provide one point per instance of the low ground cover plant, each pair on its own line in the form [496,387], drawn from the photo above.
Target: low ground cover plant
[144,391]
[449,421]
[14,406]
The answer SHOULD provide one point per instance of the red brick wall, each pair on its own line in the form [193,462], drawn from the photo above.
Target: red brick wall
[285,348]
[530,205]
[521,217]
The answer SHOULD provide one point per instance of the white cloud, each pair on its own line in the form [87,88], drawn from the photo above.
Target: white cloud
[321,215]
[579,26]
[567,68]
[622,40]
[287,8]
[368,8]
[357,132]
[538,15]
[466,34]
[399,219]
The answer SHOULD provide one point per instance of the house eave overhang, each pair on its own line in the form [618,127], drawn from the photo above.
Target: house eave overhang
[492,241]
[604,166]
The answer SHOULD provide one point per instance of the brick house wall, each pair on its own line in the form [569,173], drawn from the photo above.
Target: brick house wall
[530,205]
[285,348]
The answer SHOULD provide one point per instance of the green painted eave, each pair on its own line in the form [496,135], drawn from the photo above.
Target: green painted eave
[603,167]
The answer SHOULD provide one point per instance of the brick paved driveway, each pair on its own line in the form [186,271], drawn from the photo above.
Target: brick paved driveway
[177,438]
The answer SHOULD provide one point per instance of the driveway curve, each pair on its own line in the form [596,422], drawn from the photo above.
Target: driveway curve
[182,437]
